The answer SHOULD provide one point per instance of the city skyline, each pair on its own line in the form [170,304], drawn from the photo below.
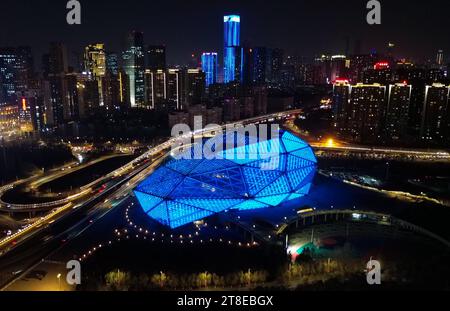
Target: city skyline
[312,30]
[224,146]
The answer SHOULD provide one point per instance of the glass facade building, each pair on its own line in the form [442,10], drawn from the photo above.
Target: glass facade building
[232,62]
[16,66]
[134,64]
[232,27]
[209,67]
[255,174]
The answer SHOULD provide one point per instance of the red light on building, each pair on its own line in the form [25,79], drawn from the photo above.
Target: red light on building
[24,104]
[381,66]
[341,81]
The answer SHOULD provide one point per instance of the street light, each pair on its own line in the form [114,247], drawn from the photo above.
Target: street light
[330,142]
[59,281]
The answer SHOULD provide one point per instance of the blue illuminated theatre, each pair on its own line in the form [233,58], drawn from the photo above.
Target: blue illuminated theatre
[254,174]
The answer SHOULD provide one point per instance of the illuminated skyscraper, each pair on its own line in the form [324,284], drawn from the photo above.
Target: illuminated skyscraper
[440,58]
[338,67]
[57,59]
[95,65]
[55,70]
[164,89]
[174,88]
[259,65]
[232,26]
[399,99]
[232,50]
[25,122]
[194,87]
[155,88]
[209,66]
[248,64]
[435,112]
[9,117]
[16,66]
[95,60]
[156,57]
[341,105]
[112,88]
[112,63]
[8,59]
[35,103]
[276,64]
[366,112]
[134,65]
[260,94]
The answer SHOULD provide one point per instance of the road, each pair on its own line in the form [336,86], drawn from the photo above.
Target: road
[32,252]
[35,246]
[36,181]
[335,146]
[72,203]
[32,246]
[393,152]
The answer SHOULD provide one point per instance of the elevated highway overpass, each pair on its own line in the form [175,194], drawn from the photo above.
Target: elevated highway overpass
[161,148]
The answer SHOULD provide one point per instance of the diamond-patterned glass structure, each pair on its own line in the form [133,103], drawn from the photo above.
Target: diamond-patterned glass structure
[252,175]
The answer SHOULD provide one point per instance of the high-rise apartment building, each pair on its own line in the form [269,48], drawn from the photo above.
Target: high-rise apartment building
[435,113]
[365,116]
[156,57]
[134,66]
[398,102]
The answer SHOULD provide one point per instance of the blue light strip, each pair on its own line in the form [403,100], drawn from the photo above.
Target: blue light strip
[232,29]
[232,40]
[209,67]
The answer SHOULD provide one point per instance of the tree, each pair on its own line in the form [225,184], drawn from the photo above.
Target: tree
[260,276]
[159,279]
[205,279]
[118,280]
[232,279]
[247,277]
[141,281]
[173,281]
[217,281]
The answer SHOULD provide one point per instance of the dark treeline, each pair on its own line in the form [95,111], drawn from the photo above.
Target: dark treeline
[22,159]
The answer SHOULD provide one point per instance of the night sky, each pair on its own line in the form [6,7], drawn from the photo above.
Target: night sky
[419,28]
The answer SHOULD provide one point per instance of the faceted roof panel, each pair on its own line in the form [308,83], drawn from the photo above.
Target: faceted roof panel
[253,175]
